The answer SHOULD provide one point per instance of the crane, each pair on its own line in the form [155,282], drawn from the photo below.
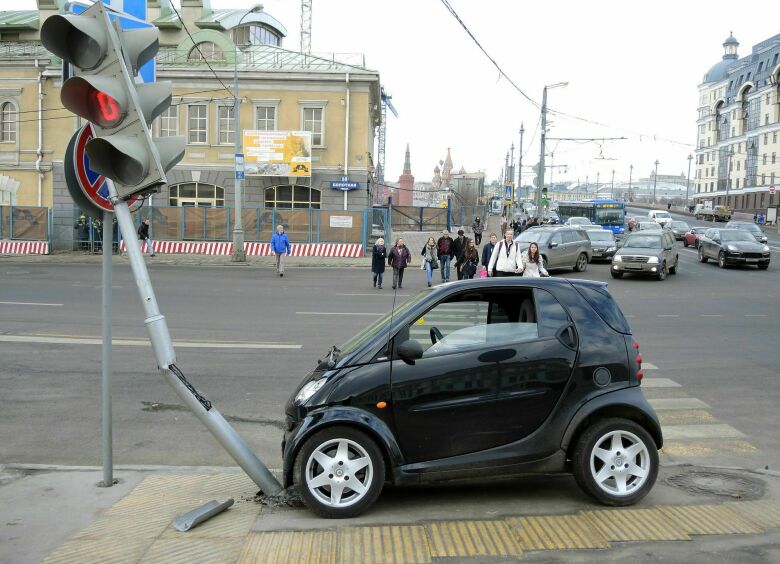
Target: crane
[386,103]
[306,26]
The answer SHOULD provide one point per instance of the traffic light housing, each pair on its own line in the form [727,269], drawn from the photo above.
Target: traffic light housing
[104,92]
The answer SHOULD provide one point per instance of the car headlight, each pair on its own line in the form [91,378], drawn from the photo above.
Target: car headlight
[653,260]
[617,258]
[766,249]
[763,239]
[309,389]
[609,250]
[732,248]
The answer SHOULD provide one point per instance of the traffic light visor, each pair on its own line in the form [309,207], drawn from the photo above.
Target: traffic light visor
[79,40]
[96,99]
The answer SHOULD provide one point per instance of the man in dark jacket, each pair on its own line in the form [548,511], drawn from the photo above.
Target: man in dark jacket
[82,232]
[459,246]
[143,235]
[487,250]
[444,252]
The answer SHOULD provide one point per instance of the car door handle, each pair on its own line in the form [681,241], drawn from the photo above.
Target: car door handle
[567,336]
[498,355]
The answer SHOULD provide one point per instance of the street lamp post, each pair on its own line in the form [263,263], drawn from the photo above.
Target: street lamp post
[239,253]
[520,162]
[598,174]
[540,177]
[688,184]
[612,186]
[630,174]
[655,180]
[728,179]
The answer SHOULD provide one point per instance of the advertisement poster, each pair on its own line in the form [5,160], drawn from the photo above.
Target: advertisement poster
[277,153]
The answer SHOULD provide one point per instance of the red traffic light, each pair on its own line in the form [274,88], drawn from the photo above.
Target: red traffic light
[105,110]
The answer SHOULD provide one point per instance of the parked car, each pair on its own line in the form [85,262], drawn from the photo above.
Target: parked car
[474,380]
[650,253]
[754,229]
[603,243]
[647,226]
[560,246]
[578,221]
[693,235]
[678,229]
[733,246]
[660,216]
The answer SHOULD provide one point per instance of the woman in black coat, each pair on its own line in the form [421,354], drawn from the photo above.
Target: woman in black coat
[378,262]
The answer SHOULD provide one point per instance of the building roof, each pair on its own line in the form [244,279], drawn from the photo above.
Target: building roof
[762,56]
[228,19]
[19,20]
[720,70]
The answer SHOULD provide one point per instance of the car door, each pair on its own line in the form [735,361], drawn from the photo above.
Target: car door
[708,244]
[556,251]
[445,403]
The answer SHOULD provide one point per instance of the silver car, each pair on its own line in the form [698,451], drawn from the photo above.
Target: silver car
[560,247]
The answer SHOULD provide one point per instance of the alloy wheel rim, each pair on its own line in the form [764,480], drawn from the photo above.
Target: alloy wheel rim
[620,463]
[581,262]
[339,473]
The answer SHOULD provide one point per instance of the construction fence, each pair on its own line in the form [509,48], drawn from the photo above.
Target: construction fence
[25,223]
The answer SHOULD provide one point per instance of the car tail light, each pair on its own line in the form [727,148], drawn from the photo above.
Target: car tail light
[639,359]
[639,375]
[636,345]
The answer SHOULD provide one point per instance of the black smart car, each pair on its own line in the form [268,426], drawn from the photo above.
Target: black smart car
[479,378]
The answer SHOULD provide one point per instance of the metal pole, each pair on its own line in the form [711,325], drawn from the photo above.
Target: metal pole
[630,174]
[728,179]
[540,177]
[612,186]
[108,243]
[552,168]
[520,162]
[598,175]
[688,184]
[166,358]
[655,179]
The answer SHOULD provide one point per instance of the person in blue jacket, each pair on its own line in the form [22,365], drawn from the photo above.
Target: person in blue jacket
[280,245]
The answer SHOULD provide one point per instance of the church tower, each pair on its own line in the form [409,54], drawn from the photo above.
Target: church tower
[406,182]
[446,172]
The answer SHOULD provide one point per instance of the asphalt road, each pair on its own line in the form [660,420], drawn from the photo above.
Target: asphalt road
[713,332]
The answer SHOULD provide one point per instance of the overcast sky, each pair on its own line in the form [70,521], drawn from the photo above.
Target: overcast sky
[632,65]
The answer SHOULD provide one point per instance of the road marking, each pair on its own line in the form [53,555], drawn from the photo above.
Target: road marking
[660,383]
[668,315]
[720,430]
[31,304]
[685,417]
[335,313]
[756,315]
[649,366]
[706,448]
[678,403]
[53,340]
[711,315]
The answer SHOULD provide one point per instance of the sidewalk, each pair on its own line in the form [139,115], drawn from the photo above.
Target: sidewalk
[60,516]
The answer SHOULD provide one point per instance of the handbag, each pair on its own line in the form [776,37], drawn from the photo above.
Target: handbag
[434,264]
[483,273]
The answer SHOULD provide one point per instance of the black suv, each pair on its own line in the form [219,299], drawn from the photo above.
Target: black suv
[733,246]
[478,378]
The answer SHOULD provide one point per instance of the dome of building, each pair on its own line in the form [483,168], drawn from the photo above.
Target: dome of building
[720,70]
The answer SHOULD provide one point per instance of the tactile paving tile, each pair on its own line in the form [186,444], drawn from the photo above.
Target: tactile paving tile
[301,547]
[125,526]
[389,544]
[635,525]
[710,520]
[765,512]
[98,551]
[189,550]
[557,532]
[471,538]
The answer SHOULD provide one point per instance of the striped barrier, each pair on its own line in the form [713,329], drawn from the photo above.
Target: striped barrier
[223,248]
[24,248]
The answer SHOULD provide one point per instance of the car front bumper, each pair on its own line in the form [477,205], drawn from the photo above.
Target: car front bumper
[636,267]
[738,259]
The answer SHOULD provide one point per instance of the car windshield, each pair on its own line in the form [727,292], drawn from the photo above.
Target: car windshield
[662,214]
[747,227]
[579,221]
[643,242]
[610,217]
[736,235]
[532,236]
[680,225]
[602,235]
[651,225]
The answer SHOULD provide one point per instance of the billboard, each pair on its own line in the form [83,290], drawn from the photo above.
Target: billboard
[277,153]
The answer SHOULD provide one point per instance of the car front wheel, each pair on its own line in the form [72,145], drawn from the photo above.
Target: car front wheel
[339,472]
[662,272]
[702,258]
[685,243]
[722,259]
[582,263]
[617,274]
[616,461]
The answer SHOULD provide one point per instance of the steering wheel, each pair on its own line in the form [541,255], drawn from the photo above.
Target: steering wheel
[436,335]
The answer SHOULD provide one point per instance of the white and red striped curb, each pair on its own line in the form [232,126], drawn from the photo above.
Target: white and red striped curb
[223,248]
[24,248]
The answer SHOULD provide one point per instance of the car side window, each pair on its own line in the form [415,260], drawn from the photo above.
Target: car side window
[570,236]
[556,238]
[709,234]
[550,314]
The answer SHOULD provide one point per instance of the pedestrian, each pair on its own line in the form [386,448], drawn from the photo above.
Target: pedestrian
[82,232]
[470,262]
[755,217]
[669,206]
[280,245]
[503,261]
[444,252]
[477,227]
[523,225]
[399,258]
[503,225]
[430,260]
[761,218]
[531,264]
[458,250]
[378,262]
[487,250]
[143,235]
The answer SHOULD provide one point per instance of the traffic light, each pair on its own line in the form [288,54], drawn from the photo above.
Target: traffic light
[103,91]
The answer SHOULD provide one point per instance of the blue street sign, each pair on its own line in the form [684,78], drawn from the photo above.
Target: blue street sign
[240,175]
[508,194]
[345,184]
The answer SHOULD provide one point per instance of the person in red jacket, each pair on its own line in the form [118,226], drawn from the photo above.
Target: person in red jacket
[399,258]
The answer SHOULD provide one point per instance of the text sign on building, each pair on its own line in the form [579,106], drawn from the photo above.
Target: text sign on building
[344,221]
[277,153]
[344,184]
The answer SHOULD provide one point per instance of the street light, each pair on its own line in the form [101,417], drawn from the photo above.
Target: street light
[630,174]
[688,184]
[540,177]
[655,179]
[612,186]
[728,179]
[239,253]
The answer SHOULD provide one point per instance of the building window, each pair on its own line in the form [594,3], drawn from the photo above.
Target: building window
[255,34]
[751,115]
[312,121]
[266,118]
[774,137]
[196,194]
[751,164]
[766,138]
[8,117]
[763,179]
[169,122]
[774,156]
[206,51]
[763,159]
[197,123]
[300,197]
[225,124]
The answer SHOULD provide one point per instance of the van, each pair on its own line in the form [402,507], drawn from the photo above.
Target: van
[660,216]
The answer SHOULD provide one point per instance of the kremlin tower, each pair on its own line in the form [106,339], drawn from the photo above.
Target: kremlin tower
[405,193]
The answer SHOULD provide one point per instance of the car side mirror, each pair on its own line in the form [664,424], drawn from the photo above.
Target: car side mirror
[553,244]
[409,351]
[716,239]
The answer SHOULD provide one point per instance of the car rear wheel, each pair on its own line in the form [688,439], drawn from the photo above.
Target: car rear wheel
[702,258]
[662,272]
[617,274]
[685,243]
[339,472]
[722,259]
[673,269]
[582,263]
[616,461]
